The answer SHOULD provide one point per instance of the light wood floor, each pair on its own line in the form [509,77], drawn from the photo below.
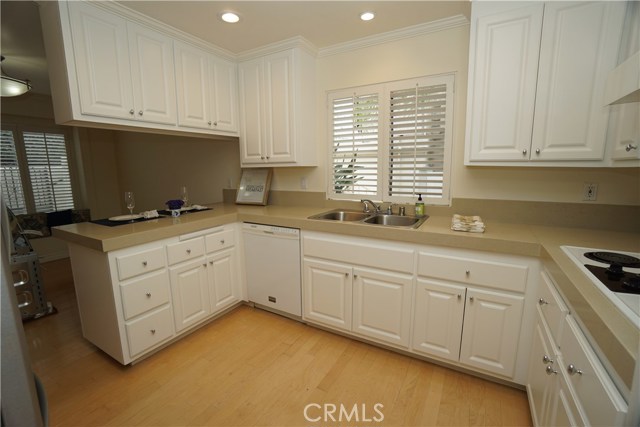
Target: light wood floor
[250,368]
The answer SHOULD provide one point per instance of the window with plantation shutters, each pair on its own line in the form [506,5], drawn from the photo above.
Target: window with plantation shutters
[392,142]
[35,170]
[48,171]
[10,180]
[354,157]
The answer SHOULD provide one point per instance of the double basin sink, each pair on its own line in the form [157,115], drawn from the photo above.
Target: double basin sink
[383,219]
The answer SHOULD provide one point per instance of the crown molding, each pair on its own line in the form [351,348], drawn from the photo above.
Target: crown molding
[290,43]
[400,34]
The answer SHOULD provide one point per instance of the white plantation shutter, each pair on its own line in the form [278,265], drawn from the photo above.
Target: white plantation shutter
[419,141]
[10,179]
[48,171]
[354,158]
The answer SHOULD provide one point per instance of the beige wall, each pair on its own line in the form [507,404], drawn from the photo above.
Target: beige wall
[155,166]
[442,52]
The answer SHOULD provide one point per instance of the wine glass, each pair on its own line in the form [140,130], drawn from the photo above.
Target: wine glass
[184,195]
[130,201]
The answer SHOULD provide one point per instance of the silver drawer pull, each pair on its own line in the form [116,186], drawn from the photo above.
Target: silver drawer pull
[471,299]
[541,301]
[222,242]
[546,360]
[210,262]
[148,294]
[188,251]
[204,264]
[630,147]
[144,263]
[459,296]
[153,331]
[550,370]
[131,111]
[346,274]
[572,370]
[467,272]
[524,152]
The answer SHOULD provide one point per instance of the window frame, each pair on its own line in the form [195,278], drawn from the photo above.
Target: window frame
[384,140]
[18,128]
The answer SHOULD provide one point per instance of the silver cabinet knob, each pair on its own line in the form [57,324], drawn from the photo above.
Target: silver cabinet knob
[572,370]
[210,262]
[153,331]
[131,112]
[215,123]
[188,251]
[541,301]
[630,147]
[550,370]
[524,152]
[204,264]
[144,263]
[222,241]
[459,296]
[209,122]
[467,272]
[537,151]
[471,299]
[148,294]
[346,274]
[261,157]
[546,360]
[140,112]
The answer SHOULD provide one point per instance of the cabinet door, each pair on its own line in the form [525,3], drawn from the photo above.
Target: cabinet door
[279,107]
[625,121]
[382,305]
[565,412]
[152,72]
[437,324]
[491,331]
[190,293]
[327,293]
[502,82]
[251,110]
[540,384]
[224,95]
[101,53]
[192,82]
[579,47]
[224,286]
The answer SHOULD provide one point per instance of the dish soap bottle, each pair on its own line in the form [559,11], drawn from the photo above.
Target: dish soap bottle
[419,206]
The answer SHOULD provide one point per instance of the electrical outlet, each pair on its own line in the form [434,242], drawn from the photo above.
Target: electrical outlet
[589,192]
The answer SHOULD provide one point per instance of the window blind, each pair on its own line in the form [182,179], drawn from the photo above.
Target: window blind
[48,170]
[417,141]
[12,191]
[355,145]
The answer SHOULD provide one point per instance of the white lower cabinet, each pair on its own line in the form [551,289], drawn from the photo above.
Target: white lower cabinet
[327,291]
[134,300]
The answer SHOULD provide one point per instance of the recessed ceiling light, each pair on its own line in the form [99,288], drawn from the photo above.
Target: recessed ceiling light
[230,17]
[367,16]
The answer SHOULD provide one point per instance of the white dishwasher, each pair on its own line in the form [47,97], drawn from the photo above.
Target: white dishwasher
[272,259]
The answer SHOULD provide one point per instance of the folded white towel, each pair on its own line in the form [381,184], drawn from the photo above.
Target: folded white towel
[472,224]
[150,214]
[198,207]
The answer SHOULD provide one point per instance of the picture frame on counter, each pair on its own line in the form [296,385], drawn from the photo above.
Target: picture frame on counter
[254,187]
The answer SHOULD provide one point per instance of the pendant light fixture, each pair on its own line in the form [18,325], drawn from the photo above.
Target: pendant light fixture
[12,86]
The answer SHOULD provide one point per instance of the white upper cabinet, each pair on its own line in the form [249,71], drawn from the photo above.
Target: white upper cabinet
[206,90]
[537,73]
[110,67]
[277,109]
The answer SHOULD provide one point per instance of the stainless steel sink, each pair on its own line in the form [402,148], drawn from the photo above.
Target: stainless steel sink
[385,220]
[341,215]
[396,220]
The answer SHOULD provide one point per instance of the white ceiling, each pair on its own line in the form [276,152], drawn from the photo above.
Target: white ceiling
[323,23]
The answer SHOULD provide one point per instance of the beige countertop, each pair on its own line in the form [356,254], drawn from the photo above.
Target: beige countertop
[616,336]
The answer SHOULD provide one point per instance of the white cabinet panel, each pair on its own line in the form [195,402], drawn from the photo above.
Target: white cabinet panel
[382,305]
[279,113]
[144,294]
[146,261]
[102,62]
[224,95]
[152,71]
[327,293]
[252,142]
[190,293]
[437,324]
[192,80]
[541,384]
[491,330]
[149,331]
[223,280]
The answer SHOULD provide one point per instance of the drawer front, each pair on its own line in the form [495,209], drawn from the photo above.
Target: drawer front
[150,330]
[552,306]
[598,396]
[492,274]
[140,263]
[222,240]
[184,251]
[145,294]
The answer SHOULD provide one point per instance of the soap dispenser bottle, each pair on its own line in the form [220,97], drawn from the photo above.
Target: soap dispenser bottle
[419,206]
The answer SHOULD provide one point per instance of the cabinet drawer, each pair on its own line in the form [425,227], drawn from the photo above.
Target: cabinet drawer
[184,251]
[145,294]
[150,330]
[598,396]
[222,240]
[492,274]
[552,306]
[139,263]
